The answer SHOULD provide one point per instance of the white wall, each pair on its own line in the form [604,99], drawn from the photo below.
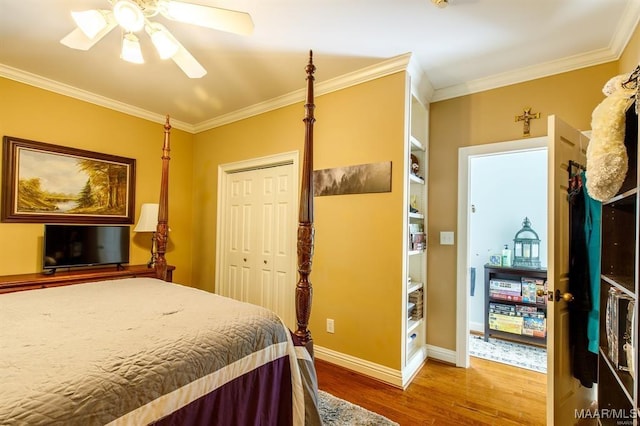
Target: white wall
[504,189]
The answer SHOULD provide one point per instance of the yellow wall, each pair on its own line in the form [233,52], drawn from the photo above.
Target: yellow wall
[30,113]
[488,117]
[357,271]
[630,58]
[484,118]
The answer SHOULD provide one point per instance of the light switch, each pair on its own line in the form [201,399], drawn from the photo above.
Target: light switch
[446,238]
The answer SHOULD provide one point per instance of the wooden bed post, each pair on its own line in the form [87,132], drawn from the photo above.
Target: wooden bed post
[304,290]
[163,208]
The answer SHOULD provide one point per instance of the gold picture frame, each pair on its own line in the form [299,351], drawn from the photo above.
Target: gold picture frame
[46,183]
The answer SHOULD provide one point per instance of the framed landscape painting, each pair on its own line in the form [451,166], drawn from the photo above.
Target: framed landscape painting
[45,183]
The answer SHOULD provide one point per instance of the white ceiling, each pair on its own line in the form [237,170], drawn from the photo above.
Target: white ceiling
[470,45]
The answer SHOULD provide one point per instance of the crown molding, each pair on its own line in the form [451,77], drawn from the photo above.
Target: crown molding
[525,74]
[421,86]
[382,69]
[626,27]
[83,95]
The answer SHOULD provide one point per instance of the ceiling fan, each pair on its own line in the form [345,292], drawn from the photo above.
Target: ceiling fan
[135,15]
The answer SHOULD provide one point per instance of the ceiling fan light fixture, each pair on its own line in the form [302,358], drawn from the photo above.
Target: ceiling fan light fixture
[134,15]
[128,15]
[440,3]
[90,22]
[131,51]
[165,44]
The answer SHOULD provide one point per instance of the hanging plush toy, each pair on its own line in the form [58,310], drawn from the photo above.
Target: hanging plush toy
[607,160]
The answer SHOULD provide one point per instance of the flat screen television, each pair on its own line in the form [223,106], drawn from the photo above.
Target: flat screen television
[68,246]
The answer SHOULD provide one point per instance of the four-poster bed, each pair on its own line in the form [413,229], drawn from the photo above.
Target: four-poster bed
[146,351]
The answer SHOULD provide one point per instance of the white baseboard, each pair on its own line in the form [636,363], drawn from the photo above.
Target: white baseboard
[368,368]
[442,354]
[377,371]
[478,327]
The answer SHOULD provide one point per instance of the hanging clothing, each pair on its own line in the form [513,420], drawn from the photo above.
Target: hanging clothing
[592,225]
[584,362]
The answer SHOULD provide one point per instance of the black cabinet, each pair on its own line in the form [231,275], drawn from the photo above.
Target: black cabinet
[618,389]
[515,304]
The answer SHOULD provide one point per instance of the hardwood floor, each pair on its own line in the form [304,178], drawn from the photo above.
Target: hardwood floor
[487,393]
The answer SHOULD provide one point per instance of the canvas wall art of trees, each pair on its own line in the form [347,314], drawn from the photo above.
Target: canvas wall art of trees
[359,179]
[51,183]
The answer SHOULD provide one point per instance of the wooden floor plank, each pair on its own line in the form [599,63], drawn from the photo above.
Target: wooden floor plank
[487,393]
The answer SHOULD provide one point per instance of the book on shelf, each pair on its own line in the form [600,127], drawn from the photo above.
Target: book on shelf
[534,326]
[418,246]
[416,298]
[528,290]
[505,292]
[531,314]
[508,297]
[541,286]
[418,237]
[509,324]
[502,309]
[506,285]
[520,309]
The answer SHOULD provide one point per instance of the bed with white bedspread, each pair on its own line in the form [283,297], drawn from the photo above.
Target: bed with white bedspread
[142,351]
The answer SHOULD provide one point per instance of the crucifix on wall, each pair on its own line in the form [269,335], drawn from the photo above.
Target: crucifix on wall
[527,116]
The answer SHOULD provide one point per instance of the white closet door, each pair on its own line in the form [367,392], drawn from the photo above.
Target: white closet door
[276,279]
[239,247]
[259,263]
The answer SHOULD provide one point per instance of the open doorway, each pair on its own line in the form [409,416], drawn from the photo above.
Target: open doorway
[507,191]
[499,185]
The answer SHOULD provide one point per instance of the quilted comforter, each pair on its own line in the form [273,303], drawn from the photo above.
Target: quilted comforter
[143,351]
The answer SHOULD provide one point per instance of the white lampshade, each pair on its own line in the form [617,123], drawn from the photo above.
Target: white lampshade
[163,41]
[148,220]
[128,15]
[90,22]
[131,51]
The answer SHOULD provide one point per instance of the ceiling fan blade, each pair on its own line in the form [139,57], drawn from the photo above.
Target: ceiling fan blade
[188,63]
[206,16]
[169,47]
[77,39]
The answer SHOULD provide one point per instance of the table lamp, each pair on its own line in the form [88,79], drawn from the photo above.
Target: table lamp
[148,222]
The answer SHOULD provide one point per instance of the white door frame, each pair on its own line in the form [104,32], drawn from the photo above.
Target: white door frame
[462,286]
[224,171]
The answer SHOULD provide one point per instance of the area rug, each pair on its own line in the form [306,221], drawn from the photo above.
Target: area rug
[516,354]
[336,411]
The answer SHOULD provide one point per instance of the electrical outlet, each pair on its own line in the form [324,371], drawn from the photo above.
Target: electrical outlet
[330,328]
